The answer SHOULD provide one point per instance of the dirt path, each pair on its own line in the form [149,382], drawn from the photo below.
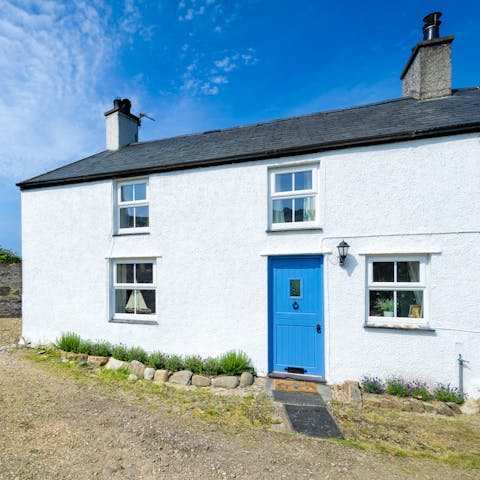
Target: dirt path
[52,428]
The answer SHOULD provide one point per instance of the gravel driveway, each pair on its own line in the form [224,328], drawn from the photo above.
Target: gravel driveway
[53,428]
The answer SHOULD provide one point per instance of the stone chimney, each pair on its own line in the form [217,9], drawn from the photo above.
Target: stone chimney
[428,73]
[121,125]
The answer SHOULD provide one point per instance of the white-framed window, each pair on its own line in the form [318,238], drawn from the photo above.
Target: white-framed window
[134,290]
[132,209]
[293,201]
[397,290]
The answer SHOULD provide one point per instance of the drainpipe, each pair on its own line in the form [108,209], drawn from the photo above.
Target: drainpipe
[461,365]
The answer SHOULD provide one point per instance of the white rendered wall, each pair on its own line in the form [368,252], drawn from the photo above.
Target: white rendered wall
[208,233]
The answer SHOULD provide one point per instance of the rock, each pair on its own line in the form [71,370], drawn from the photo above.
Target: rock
[443,409]
[325,392]
[81,363]
[114,364]
[181,378]
[161,376]
[201,381]
[354,395]
[470,407]
[132,377]
[225,382]
[137,368]
[96,361]
[149,373]
[246,379]
[429,408]
[41,352]
[412,405]
[454,407]
[64,360]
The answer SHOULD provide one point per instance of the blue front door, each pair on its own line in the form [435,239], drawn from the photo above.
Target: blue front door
[296,315]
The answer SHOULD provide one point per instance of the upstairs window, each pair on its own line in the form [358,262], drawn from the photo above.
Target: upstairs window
[397,290]
[293,197]
[133,214]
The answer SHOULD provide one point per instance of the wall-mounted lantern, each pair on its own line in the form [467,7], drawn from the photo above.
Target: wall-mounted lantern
[343,247]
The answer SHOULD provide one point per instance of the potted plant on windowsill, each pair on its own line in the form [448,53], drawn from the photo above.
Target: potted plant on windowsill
[386,305]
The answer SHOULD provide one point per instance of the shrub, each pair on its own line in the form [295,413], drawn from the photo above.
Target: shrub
[211,366]
[372,384]
[120,352]
[136,353]
[69,342]
[193,363]
[235,362]
[419,390]
[101,348]
[157,360]
[447,393]
[173,363]
[7,256]
[397,386]
[85,347]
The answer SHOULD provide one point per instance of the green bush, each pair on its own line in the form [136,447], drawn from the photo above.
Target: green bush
[174,363]
[120,352]
[447,393]
[157,360]
[193,363]
[69,342]
[136,353]
[85,347]
[101,348]
[397,386]
[7,256]
[235,363]
[211,366]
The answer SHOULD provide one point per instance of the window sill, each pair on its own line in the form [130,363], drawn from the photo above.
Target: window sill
[294,229]
[133,321]
[123,234]
[400,326]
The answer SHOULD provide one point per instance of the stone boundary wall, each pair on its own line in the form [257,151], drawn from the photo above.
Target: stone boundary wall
[11,290]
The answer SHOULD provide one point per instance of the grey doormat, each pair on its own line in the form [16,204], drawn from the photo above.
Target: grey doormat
[293,398]
[313,421]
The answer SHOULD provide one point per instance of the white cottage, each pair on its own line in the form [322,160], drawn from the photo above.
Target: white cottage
[228,239]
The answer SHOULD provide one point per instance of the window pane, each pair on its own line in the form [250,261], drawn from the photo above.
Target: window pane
[303,180]
[125,273]
[283,182]
[282,211]
[140,191]
[305,209]
[383,271]
[381,303]
[410,303]
[126,217]
[145,302]
[295,288]
[124,301]
[126,193]
[141,217]
[144,272]
[408,271]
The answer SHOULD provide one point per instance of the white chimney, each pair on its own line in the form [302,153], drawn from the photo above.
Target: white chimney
[121,125]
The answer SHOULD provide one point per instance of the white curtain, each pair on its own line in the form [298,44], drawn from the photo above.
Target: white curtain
[309,209]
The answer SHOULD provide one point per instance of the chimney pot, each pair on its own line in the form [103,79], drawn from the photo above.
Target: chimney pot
[431,27]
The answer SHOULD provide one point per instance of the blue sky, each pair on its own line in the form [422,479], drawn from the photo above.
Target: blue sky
[195,65]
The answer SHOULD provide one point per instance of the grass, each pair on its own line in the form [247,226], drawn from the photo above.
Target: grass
[230,410]
[450,440]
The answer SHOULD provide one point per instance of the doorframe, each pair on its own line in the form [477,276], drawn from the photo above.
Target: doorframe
[270,302]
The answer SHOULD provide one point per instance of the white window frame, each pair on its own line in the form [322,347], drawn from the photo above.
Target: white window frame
[136,318]
[134,203]
[421,285]
[292,194]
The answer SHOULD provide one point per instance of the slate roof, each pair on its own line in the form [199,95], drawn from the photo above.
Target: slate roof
[390,121]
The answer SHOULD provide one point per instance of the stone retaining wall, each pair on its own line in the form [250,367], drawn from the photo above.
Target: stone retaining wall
[11,290]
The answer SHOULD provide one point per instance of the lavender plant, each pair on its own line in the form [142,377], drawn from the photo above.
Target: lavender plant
[372,384]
